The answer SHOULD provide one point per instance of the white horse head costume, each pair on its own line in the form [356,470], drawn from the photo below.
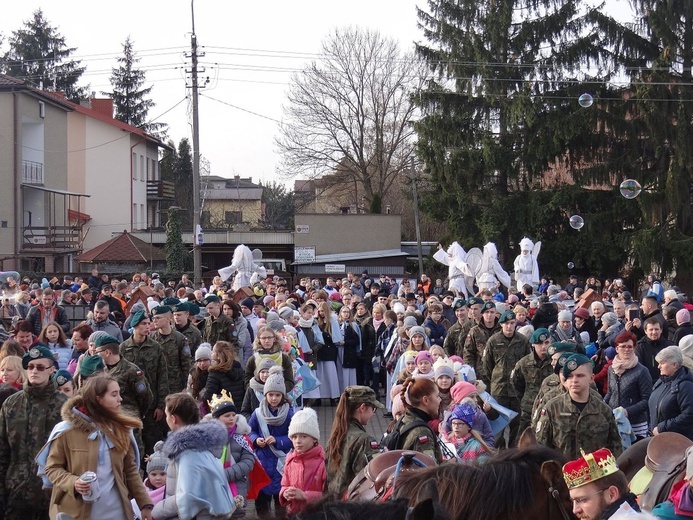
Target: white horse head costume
[243,264]
[526,267]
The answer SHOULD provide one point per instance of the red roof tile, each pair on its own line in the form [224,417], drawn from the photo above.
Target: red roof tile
[123,248]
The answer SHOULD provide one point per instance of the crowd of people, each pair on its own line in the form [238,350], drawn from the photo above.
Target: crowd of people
[221,385]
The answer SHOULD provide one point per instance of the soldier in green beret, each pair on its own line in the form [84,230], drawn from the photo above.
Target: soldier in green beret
[175,347]
[182,318]
[503,350]
[218,326]
[479,334]
[350,447]
[147,354]
[454,340]
[530,372]
[26,419]
[577,419]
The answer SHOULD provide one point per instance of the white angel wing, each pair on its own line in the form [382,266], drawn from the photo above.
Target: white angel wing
[537,249]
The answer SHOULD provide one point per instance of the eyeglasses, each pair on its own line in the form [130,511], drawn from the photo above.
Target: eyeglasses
[39,368]
[581,500]
[100,351]
[267,338]
[625,347]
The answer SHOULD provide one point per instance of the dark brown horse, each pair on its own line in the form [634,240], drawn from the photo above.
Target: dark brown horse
[516,484]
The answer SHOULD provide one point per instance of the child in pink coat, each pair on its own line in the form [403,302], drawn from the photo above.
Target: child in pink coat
[304,471]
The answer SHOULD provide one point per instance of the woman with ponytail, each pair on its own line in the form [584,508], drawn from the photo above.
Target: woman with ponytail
[421,399]
[350,447]
[95,435]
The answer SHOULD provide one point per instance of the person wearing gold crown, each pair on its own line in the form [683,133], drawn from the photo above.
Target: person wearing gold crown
[598,489]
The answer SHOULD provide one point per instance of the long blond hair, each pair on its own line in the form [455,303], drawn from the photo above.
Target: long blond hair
[116,425]
[325,322]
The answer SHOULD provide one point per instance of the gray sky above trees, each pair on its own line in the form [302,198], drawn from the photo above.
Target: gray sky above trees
[251,48]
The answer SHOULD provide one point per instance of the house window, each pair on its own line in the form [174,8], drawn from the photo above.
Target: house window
[233,217]
[134,216]
[205,218]
[134,166]
[142,168]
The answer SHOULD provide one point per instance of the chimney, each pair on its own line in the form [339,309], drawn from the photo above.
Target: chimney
[103,106]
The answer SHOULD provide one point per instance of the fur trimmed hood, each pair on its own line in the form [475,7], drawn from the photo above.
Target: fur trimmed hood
[70,412]
[206,435]
[242,427]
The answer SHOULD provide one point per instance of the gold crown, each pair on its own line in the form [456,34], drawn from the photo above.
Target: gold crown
[217,399]
[589,467]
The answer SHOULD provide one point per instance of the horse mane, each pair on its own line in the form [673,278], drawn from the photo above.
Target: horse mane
[330,507]
[503,487]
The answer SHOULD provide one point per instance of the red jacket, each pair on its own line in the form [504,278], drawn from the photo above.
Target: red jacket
[305,471]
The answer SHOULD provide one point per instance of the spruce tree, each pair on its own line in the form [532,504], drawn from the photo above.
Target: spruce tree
[502,110]
[177,257]
[129,95]
[38,54]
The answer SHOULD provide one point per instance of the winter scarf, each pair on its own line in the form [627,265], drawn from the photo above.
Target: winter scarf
[269,417]
[621,366]
[257,386]
[306,324]
[377,323]
[565,335]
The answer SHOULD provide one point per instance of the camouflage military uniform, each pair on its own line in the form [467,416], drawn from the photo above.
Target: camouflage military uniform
[149,357]
[177,352]
[500,357]
[193,334]
[134,388]
[220,329]
[421,438]
[26,420]
[561,426]
[457,334]
[474,347]
[551,387]
[359,448]
[527,378]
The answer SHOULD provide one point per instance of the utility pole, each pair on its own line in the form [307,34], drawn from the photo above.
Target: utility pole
[197,229]
[416,215]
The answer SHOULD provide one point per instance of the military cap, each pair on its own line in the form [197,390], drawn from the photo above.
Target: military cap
[181,307]
[488,306]
[91,365]
[459,303]
[193,308]
[211,298]
[137,318]
[62,377]
[507,316]
[573,362]
[38,351]
[170,301]
[105,340]
[161,309]
[475,301]
[539,336]
[561,361]
[357,394]
[561,346]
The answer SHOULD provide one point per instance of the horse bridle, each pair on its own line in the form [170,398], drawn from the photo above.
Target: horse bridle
[556,495]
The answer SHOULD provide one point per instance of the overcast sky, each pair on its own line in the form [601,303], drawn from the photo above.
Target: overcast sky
[251,49]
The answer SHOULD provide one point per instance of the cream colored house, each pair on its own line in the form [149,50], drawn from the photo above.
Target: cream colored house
[231,203]
[118,166]
[40,228]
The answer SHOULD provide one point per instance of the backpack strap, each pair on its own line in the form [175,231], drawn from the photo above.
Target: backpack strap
[409,427]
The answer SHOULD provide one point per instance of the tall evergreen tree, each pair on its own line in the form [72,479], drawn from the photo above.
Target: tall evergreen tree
[177,168]
[279,206]
[129,94]
[502,110]
[177,257]
[661,114]
[38,54]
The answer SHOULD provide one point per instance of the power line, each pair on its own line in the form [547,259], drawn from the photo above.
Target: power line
[241,109]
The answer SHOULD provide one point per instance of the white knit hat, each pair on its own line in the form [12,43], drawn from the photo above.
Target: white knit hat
[305,421]
[275,381]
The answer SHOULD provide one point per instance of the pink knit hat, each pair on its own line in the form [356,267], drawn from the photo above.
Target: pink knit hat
[683,316]
[461,390]
[424,355]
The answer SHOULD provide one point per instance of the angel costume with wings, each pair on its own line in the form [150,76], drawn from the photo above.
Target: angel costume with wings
[526,267]
[243,264]
[490,272]
[459,275]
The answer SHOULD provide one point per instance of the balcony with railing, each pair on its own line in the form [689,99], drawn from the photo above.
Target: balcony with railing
[32,173]
[160,190]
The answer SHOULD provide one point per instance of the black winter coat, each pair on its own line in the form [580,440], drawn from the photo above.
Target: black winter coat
[683,331]
[646,351]
[231,381]
[671,404]
[631,391]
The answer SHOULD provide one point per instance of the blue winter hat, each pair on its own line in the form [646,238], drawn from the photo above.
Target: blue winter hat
[462,412]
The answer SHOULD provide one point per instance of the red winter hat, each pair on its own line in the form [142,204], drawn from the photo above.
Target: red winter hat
[582,313]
